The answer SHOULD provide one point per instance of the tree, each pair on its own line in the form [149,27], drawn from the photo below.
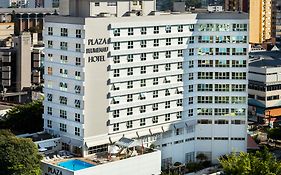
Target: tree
[25,118]
[259,163]
[18,156]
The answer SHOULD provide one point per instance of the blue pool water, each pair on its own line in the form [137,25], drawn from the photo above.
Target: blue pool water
[75,164]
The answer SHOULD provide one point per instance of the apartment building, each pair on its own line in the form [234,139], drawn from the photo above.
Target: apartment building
[262,25]
[264,80]
[174,81]
[236,5]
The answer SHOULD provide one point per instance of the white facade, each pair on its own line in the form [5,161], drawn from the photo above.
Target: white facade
[176,81]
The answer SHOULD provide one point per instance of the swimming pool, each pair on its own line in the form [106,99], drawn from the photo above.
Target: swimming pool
[75,164]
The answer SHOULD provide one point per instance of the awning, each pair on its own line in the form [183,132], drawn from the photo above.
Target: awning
[156,130]
[191,123]
[142,95]
[127,143]
[180,89]
[179,125]
[47,144]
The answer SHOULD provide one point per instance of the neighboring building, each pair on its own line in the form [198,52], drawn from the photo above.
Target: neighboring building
[6,30]
[37,59]
[179,6]
[236,5]
[262,24]
[264,84]
[177,81]
[278,21]
[27,19]
[8,68]
[43,4]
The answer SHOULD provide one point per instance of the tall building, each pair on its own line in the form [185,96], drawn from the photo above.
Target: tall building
[175,81]
[262,25]
[278,21]
[236,5]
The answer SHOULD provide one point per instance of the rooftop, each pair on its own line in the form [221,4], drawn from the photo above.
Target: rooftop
[265,59]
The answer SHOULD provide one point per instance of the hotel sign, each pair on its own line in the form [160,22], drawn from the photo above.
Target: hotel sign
[97,49]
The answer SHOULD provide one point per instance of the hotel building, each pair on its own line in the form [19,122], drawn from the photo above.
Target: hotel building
[177,82]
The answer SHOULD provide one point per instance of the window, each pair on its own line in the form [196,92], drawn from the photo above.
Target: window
[167,104]
[115,113]
[49,123]
[63,59]
[168,29]
[50,44]
[130,31]
[205,75]
[129,111]
[222,75]
[168,41]
[142,121]
[129,124]
[63,114]
[129,97]
[238,63]
[156,29]
[77,89]
[77,103]
[168,54]
[78,47]
[77,131]
[179,115]
[204,87]
[190,88]
[116,73]
[63,86]
[179,102]
[180,40]
[168,67]
[143,30]
[50,97]
[204,111]
[179,78]
[130,58]
[78,33]
[49,110]
[190,112]
[77,75]
[156,42]
[155,94]
[155,55]
[130,71]
[205,63]
[190,76]
[221,122]
[97,4]
[143,43]
[167,117]
[238,87]
[77,117]
[116,46]
[204,121]
[179,65]
[155,81]
[130,44]
[142,83]
[204,99]
[63,100]
[222,51]
[155,107]
[180,53]
[155,119]
[222,63]
[155,68]
[63,127]
[50,70]
[142,109]
[129,84]
[221,99]
[205,39]
[116,32]
[78,61]
[191,39]
[116,127]
[63,45]
[179,131]
[63,72]
[221,111]
[239,75]
[191,52]
[222,87]
[63,32]
[50,30]
[167,92]
[180,28]
[143,56]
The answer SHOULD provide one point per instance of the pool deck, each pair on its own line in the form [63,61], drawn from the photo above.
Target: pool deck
[97,159]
